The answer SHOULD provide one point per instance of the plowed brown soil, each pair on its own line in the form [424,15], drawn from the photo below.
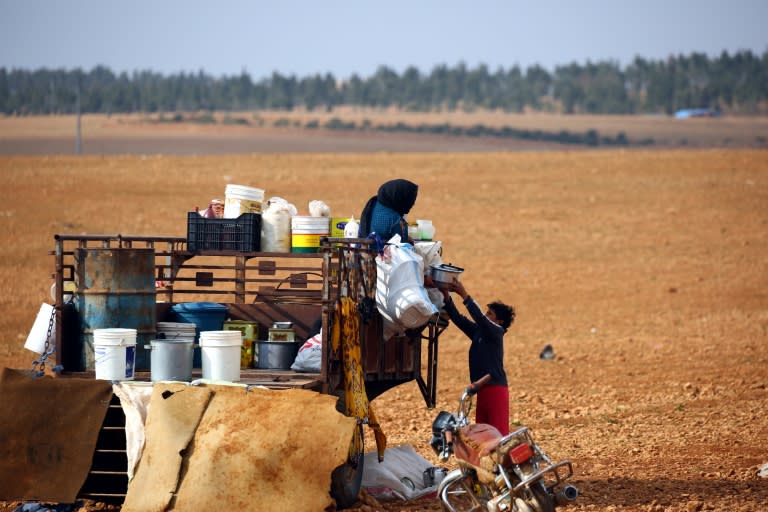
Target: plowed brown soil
[646,271]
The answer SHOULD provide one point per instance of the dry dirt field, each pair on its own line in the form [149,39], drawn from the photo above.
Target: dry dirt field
[645,270]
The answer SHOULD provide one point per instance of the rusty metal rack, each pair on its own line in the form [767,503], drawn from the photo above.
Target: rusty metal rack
[267,287]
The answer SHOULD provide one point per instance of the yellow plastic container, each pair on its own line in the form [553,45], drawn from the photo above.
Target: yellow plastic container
[337,226]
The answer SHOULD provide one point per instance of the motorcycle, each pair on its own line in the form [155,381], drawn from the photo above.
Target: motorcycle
[496,473]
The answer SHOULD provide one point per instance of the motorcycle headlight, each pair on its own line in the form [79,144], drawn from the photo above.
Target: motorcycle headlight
[443,421]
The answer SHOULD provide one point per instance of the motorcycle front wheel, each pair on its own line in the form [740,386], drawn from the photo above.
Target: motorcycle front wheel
[461,492]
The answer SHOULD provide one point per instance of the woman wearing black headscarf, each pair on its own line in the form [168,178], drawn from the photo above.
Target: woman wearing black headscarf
[384,214]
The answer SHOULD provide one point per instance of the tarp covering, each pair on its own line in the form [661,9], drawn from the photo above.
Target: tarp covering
[251,450]
[48,432]
[175,411]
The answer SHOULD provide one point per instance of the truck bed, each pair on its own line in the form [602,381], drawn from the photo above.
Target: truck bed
[273,379]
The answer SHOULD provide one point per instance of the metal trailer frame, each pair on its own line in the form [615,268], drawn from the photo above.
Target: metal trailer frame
[256,286]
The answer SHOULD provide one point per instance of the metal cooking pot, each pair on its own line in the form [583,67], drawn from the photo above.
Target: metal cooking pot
[277,354]
[445,274]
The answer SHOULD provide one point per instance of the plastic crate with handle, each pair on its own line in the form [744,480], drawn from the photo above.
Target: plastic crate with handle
[242,234]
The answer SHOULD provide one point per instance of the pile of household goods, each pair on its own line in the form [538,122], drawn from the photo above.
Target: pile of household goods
[202,336]
[282,229]
[401,297]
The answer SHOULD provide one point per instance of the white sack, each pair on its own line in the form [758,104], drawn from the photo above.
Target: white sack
[431,253]
[310,355]
[401,297]
[276,225]
[134,399]
[318,208]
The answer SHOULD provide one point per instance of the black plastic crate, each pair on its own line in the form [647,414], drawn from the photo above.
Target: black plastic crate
[242,234]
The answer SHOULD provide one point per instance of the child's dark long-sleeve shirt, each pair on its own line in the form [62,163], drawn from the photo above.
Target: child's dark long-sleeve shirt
[486,353]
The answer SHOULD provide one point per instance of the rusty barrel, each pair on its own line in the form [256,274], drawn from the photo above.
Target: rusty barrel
[116,289]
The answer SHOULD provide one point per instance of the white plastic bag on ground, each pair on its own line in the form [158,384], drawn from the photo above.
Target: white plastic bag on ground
[401,297]
[399,475]
[310,355]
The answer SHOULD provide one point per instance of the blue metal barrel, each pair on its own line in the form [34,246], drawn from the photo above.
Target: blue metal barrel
[116,288]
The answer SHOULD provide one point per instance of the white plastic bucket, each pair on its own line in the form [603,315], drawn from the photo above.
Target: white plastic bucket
[171,359]
[39,333]
[241,199]
[114,353]
[221,354]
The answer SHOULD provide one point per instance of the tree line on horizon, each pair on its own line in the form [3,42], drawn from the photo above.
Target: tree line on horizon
[729,83]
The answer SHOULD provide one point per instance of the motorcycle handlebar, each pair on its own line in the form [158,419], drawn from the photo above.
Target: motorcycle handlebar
[474,387]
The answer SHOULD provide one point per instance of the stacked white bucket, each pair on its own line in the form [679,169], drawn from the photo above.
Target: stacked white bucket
[176,331]
[221,354]
[114,353]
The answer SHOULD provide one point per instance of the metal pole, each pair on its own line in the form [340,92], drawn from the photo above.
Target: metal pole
[77,109]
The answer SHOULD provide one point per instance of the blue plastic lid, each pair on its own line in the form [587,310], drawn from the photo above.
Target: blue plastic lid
[199,307]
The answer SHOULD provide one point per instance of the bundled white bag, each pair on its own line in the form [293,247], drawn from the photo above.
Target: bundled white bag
[310,355]
[400,295]
[276,225]
[318,208]
[432,252]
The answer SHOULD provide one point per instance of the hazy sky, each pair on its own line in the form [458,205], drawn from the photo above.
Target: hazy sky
[304,37]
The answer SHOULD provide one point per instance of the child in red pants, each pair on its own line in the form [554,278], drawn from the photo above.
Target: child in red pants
[486,353]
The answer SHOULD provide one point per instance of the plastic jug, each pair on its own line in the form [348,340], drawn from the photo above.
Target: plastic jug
[426,229]
[351,228]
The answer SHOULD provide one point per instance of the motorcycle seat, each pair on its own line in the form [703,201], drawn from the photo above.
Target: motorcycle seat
[477,441]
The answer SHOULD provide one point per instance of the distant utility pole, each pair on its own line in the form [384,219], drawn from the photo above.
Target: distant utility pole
[77,109]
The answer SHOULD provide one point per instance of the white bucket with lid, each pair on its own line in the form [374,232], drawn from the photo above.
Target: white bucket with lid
[241,199]
[221,354]
[114,353]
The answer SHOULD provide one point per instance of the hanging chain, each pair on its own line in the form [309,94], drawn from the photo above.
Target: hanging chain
[38,365]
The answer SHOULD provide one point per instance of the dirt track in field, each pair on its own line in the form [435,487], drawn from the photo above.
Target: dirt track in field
[646,271]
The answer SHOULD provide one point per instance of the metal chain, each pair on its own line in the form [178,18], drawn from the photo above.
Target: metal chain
[38,365]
